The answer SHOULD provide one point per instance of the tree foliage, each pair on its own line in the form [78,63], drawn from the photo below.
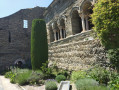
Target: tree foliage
[39,45]
[113,55]
[105,18]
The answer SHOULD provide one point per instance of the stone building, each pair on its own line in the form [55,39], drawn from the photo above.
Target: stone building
[71,45]
[15,36]
[68,17]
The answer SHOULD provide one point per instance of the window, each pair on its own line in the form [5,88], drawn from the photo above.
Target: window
[9,38]
[25,23]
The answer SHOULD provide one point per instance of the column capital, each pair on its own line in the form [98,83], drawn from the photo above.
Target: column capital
[54,30]
[60,27]
[81,15]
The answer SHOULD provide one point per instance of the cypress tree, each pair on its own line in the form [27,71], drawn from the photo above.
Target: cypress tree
[39,45]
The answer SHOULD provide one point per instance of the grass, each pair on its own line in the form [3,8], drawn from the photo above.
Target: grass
[22,78]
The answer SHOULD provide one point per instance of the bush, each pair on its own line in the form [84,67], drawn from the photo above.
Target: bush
[25,76]
[46,70]
[78,75]
[65,73]
[50,85]
[114,84]
[10,75]
[35,78]
[113,55]
[100,74]
[60,78]
[22,78]
[39,45]
[82,84]
[96,88]
[106,22]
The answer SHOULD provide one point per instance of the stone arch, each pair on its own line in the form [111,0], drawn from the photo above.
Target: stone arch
[86,9]
[19,62]
[74,9]
[84,3]
[56,30]
[76,22]
[62,27]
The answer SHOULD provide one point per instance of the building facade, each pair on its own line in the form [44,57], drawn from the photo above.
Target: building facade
[15,34]
[68,17]
[71,45]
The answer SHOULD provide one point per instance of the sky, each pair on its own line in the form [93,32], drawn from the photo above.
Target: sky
[8,7]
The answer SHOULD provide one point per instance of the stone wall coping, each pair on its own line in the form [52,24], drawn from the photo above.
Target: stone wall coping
[71,36]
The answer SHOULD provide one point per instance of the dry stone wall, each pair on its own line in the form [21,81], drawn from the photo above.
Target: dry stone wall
[78,52]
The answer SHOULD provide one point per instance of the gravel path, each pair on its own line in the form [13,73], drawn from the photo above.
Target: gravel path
[1,86]
[27,87]
[6,85]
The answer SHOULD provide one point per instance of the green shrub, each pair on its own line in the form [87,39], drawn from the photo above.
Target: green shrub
[35,77]
[22,78]
[64,72]
[60,78]
[96,88]
[10,75]
[39,45]
[46,70]
[106,22]
[114,84]
[100,74]
[50,85]
[78,75]
[113,55]
[82,84]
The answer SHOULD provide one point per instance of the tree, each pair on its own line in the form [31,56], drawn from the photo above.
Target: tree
[39,45]
[105,18]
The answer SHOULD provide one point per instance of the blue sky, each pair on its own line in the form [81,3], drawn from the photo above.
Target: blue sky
[8,7]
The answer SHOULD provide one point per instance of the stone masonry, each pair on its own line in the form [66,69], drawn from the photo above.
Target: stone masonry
[77,52]
[68,17]
[71,45]
[15,38]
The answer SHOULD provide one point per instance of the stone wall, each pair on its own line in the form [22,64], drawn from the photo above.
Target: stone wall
[77,52]
[14,38]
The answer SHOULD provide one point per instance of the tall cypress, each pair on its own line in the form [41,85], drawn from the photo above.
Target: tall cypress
[39,45]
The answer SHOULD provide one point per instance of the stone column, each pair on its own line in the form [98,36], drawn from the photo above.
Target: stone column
[48,36]
[64,33]
[55,35]
[58,34]
[61,33]
[83,22]
[48,33]
[60,30]
[87,24]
